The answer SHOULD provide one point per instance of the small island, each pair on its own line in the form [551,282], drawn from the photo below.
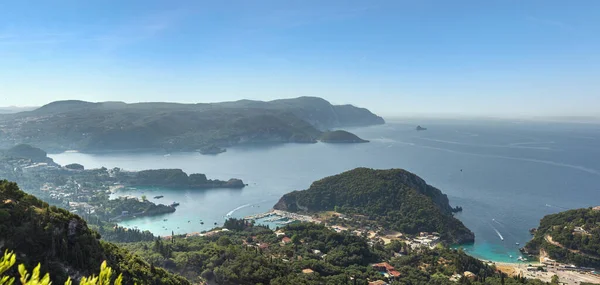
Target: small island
[419,128]
[340,136]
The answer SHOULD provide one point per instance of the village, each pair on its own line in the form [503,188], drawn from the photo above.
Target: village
[544,270]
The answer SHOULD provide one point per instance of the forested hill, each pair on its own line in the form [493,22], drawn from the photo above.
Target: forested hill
[90,126]
[570,237]
[396,199]
[63,243]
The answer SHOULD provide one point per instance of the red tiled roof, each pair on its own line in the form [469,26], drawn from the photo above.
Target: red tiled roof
[394,273]
[286,240]
[385,265]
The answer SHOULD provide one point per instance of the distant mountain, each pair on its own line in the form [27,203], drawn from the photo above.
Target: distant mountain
[63,244]
[571,237]
[25,151]
[90,126]
[396,199]
[12,110]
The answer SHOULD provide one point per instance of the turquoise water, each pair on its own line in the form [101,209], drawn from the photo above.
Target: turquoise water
[513,173]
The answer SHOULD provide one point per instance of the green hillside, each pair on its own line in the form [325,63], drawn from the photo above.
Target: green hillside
[103,126]
[571,237]
[340,136]
[395,199]
[63,243]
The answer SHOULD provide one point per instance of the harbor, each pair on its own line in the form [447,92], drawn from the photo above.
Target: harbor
[275,218]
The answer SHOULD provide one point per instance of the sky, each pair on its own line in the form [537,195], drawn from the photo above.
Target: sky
[460,57]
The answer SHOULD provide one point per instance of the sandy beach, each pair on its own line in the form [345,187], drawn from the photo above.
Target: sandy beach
[568,277]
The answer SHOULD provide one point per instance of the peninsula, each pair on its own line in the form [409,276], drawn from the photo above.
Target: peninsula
[88,191]
[392,199]
[206,128]
[340,136]
[570,237]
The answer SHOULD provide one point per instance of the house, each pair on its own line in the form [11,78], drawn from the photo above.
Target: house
[286,240]
[470,275]
[378,282]
[386,269]
[455,277]
[580,230]
[263,245]
[394,274]
[383,267]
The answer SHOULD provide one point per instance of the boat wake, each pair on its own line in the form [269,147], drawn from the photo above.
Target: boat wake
[238,208]
[554,206]
[499,235]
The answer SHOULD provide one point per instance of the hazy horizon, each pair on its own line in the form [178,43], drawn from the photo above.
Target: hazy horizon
[459,58]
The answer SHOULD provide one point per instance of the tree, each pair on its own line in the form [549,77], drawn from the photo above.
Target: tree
[144,198]
[554,280]
[296,239]
[35,277]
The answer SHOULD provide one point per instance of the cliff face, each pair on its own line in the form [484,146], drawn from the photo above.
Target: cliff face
[396,198]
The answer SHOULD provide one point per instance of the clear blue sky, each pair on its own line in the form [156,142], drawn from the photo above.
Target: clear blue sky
[477,57]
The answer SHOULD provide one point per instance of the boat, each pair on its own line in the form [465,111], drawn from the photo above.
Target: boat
[175,204]
[517,243]
[158,197]
[164,220]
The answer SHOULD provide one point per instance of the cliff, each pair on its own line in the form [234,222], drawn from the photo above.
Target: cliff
[395,198]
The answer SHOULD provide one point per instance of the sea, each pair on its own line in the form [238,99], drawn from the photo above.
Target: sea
[505,174]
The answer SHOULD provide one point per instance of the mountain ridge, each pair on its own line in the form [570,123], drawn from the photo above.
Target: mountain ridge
[88,126]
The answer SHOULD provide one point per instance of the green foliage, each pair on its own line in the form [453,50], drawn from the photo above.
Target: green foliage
[36,278]
[340,136]
[394,199]
[58,239]
[174,178]
[113,125]
[576,247]
[228,258]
